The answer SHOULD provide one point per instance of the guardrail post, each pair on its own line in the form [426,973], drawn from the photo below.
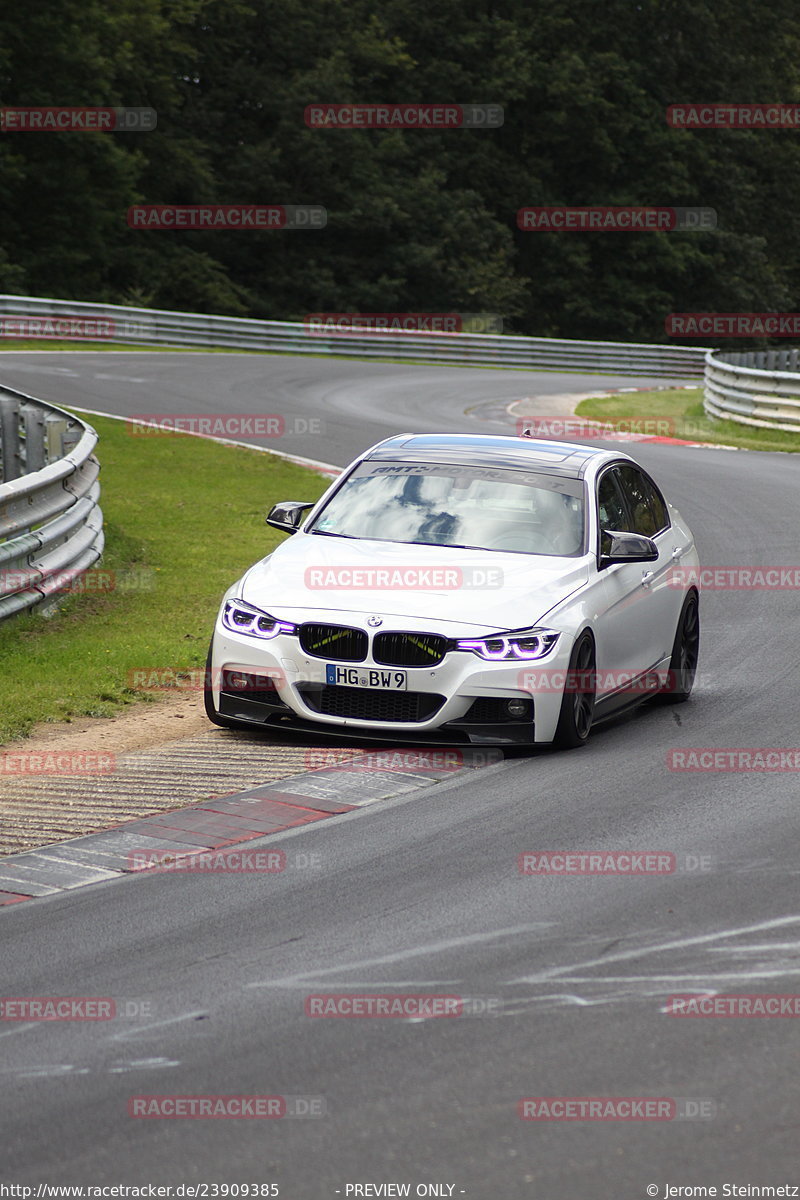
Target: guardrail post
[33,418]
[55,437]
[10,457]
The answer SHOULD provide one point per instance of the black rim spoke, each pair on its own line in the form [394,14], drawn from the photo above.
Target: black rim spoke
[690,645]
[583,703]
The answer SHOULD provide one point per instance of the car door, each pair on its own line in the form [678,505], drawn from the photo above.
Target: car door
[651,518]
[632,633]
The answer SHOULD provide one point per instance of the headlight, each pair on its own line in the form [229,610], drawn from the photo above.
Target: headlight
[519,643]
[244,618]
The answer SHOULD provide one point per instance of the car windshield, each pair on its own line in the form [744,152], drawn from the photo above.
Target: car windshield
[461,506]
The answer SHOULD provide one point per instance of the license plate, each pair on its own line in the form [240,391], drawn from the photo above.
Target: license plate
[366,677]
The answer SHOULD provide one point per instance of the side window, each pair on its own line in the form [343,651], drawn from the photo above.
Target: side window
[646,505]
[611,510]
[659,507]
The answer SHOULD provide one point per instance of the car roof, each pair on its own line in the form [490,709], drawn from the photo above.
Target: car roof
[496,450]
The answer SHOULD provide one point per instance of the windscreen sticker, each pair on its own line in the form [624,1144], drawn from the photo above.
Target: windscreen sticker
[465,475]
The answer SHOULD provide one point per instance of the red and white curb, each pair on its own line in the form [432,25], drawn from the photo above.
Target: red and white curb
[240,819]
[623,436]
[606,434]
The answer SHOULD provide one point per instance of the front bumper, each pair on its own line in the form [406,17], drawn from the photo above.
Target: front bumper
[261,713]
[462,700]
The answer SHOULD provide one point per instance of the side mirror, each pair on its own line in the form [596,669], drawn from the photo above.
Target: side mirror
[287,515]
[617,547]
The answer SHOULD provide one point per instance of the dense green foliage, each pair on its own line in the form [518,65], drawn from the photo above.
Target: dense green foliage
[419,221]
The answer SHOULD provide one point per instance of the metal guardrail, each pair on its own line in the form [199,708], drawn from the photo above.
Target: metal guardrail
[51,525]
[156,327]
[756,387]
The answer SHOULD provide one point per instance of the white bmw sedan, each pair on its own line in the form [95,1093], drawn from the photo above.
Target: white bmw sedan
[463,589]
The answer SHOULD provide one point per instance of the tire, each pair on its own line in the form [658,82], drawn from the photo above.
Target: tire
[685,650]
[208,700]
[577,705]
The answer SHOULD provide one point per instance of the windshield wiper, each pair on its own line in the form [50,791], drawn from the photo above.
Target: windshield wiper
[328,533]
[448,545]
[396,541]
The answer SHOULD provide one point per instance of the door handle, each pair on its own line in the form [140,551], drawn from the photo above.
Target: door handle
[677,551]
[647,578]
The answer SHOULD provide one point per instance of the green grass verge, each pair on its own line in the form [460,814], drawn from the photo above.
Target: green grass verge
[679,413]
[183,518]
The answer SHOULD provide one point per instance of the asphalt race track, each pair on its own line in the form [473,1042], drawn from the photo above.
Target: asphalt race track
[354,404]
[423,895]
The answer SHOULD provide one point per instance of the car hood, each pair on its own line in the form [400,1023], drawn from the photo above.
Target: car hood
[491,589]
